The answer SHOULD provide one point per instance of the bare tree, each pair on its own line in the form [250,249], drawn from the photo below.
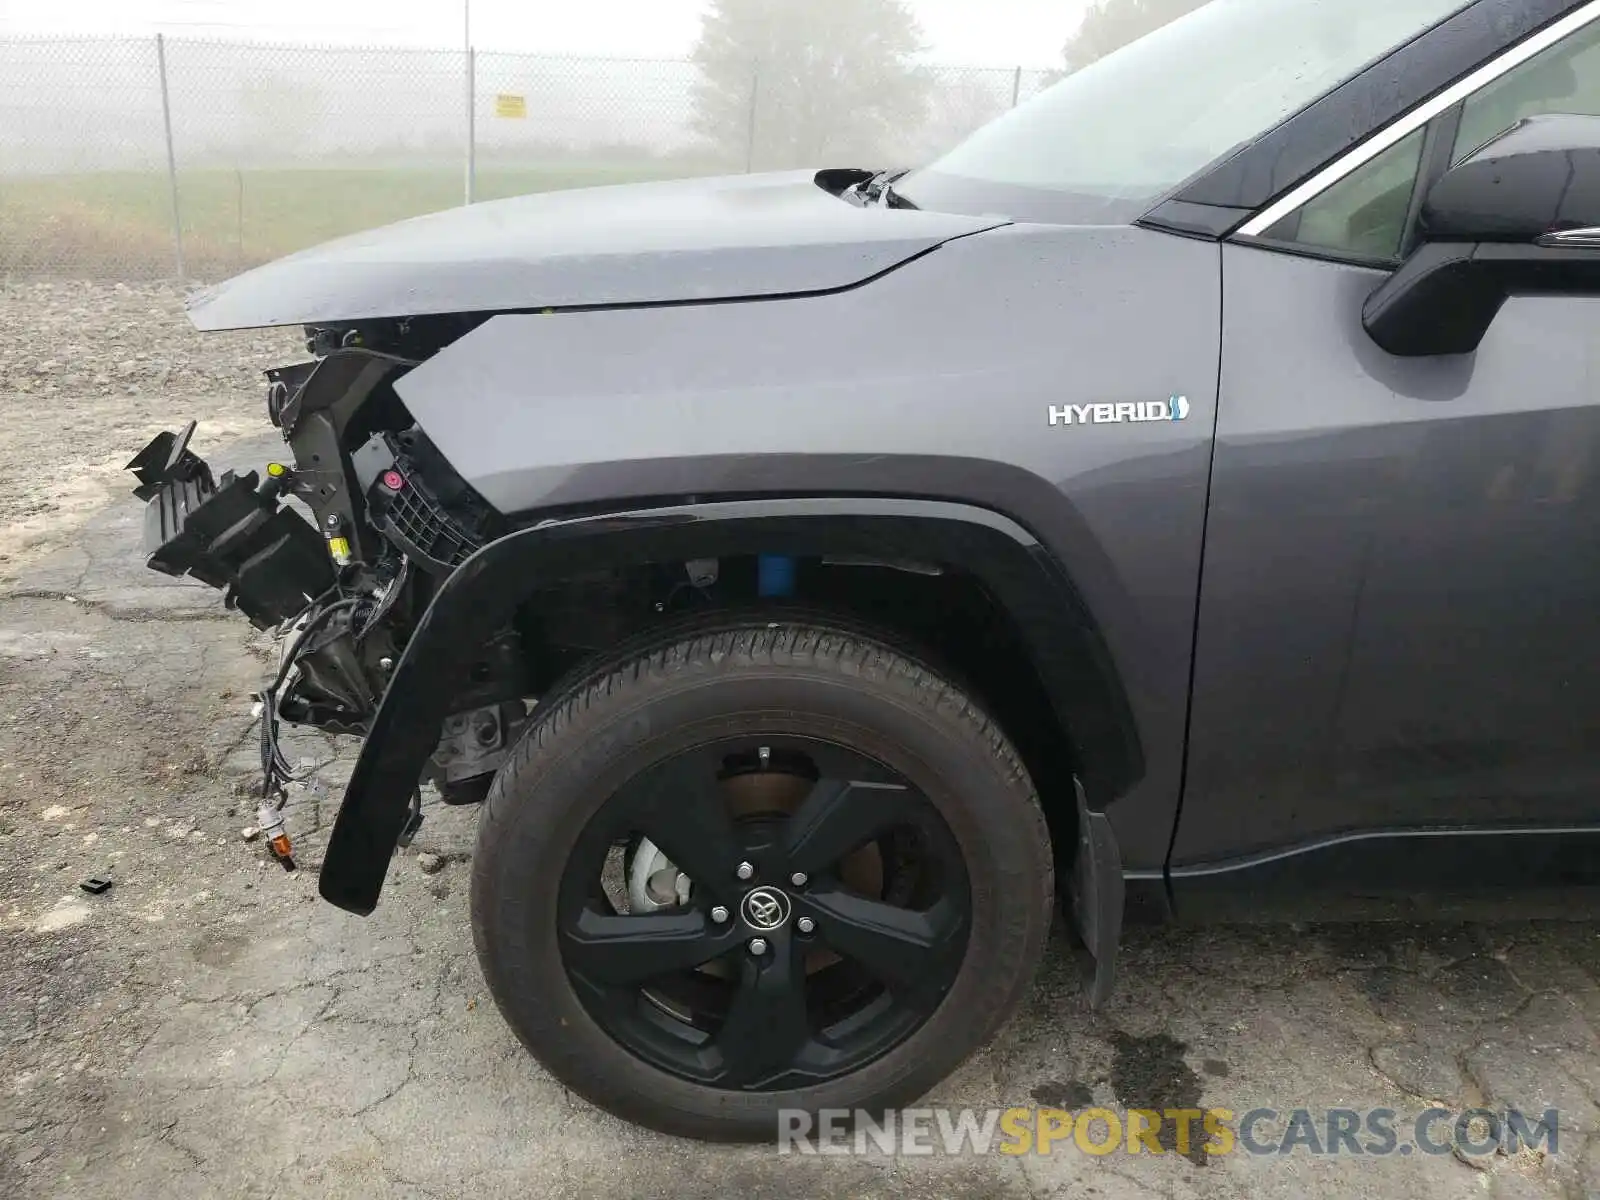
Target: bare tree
[794,82]
[1112,24]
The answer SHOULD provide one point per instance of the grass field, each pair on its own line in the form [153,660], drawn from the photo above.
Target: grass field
[117,224]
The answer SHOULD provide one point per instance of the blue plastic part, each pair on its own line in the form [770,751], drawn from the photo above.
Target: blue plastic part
[774,575]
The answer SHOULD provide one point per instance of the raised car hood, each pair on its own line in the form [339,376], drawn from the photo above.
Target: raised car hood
[685,240]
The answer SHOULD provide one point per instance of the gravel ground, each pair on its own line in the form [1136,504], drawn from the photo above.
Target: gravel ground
[208,1027]
[88,373]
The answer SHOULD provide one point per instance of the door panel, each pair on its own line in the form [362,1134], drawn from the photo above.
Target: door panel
[1400,603]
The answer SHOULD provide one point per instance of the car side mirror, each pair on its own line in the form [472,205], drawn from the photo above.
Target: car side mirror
[1519,214]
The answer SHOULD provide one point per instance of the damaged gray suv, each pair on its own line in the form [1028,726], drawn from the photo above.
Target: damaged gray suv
[1179,501]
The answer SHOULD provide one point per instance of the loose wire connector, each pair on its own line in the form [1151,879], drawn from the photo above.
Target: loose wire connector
[270,817]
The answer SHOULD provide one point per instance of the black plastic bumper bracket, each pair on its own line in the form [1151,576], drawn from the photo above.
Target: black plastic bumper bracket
[228,533]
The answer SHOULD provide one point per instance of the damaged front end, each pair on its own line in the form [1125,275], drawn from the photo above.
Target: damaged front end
[340,550]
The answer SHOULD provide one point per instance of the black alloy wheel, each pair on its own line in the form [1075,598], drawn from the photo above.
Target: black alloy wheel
[825,918]
[756,869]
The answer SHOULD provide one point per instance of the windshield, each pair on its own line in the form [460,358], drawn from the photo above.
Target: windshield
[1103,144]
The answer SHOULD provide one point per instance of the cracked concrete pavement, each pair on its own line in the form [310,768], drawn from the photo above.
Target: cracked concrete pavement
[209,1027]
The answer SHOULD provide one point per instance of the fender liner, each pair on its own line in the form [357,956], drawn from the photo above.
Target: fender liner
[482,595]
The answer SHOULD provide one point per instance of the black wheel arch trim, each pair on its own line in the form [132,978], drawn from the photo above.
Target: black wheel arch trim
[1072,660]
[1210,204]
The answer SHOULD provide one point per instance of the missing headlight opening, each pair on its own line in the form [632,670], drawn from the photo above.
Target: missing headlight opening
[339,553]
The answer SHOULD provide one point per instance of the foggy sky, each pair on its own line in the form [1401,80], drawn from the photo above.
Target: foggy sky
[983,32]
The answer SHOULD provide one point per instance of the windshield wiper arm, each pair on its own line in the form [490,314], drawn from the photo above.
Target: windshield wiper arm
[892,198]
[879,189]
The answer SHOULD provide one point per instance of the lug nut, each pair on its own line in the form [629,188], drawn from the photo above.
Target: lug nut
[719,915]
[758,946]
[805,925]
[745,871]
[798,879]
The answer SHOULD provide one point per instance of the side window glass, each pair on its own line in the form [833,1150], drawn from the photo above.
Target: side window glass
[1563,79]
[1364,214]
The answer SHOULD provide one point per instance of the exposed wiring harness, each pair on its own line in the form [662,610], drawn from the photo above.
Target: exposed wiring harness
[276,772]
[275,768]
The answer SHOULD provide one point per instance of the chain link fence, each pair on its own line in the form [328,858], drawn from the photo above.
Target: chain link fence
[162,158]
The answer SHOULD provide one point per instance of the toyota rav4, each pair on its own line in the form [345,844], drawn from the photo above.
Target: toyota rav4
[1180,500]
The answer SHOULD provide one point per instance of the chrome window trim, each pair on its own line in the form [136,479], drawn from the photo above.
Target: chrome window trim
[1397,129]
[1587,238]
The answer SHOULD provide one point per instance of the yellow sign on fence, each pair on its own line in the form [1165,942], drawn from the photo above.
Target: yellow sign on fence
[507,105]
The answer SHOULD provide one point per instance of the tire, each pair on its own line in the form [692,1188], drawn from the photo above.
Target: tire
[755,678]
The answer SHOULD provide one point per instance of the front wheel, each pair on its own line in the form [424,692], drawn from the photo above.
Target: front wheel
[767,868]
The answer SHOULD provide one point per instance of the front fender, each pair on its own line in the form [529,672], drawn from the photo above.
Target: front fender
[481,596]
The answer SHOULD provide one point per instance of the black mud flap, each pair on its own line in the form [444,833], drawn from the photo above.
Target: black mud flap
[1095,893]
